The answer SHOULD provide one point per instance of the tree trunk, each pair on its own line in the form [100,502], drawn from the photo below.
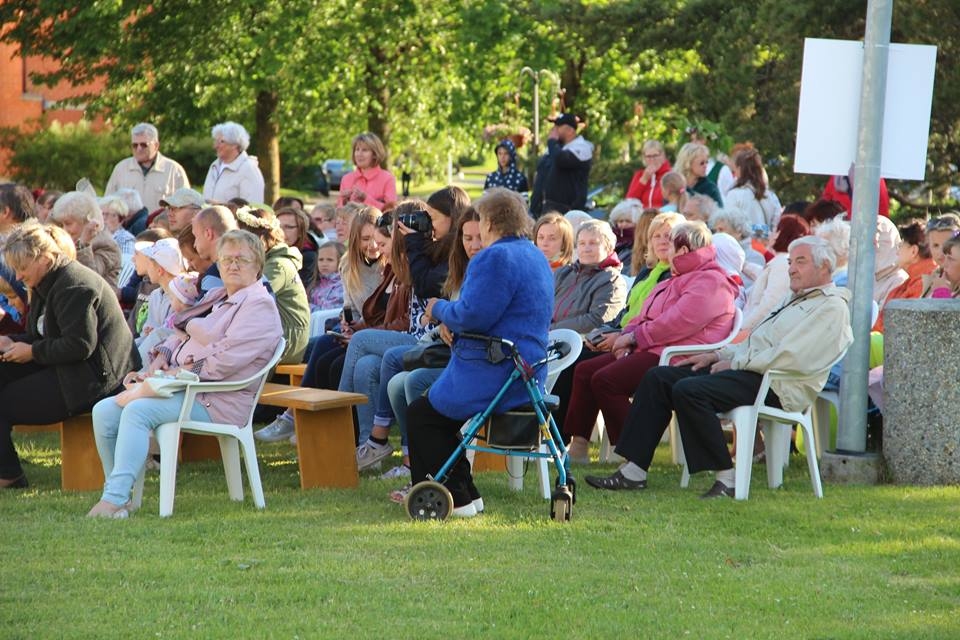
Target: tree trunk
[268,144]
[378,106]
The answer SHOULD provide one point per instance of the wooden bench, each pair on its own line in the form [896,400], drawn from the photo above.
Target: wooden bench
[295,371]
[323,422]
[80,468]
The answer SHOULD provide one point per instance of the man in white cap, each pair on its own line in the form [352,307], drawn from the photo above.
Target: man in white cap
[181,207]
[148,171]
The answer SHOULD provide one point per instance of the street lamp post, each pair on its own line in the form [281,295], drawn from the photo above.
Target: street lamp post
[535,76]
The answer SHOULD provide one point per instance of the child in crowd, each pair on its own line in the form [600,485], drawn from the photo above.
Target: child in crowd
[674,189]
[164,263]
[327,289]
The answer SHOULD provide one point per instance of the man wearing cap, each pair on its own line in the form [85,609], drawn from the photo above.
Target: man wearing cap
[148,171]
[181,207]
[565,186]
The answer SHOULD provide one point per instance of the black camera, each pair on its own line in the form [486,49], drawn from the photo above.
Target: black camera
[417,220]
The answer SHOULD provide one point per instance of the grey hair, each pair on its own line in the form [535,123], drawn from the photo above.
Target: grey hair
[243,238]
[78,206]
[145,129]
[629,208]
[131,197]
[705,205]
[115,205]
[736,219]
[820,250]
[232,133]
[599,228]
[836,232]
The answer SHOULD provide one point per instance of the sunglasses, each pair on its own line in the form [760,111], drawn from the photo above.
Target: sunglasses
[139,145]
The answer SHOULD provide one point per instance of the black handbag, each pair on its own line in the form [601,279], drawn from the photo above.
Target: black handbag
[431,355]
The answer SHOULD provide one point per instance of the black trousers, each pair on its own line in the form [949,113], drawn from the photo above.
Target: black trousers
[697,397]
[432,438]
[29,394]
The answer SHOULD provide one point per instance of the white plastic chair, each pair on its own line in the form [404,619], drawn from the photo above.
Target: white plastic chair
[318,320]
[229,436]
[777,429]
[668,354]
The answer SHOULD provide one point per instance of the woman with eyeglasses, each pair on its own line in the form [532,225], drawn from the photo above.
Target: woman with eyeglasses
[692,162]
[647,183]
[236,339]
[235,173]
[939,230]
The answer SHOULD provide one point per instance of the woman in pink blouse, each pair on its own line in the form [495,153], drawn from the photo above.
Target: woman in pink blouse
[234,341]
[369,183]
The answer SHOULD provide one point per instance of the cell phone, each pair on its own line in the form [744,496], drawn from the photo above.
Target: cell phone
[336,334]
[348,315]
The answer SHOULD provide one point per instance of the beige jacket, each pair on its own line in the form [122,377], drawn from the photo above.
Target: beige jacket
[164,177]
[239,179]
[803,337]
[102,255]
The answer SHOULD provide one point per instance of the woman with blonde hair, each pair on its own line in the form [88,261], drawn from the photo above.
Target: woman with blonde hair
[692,162]
[369,183]
[76,348]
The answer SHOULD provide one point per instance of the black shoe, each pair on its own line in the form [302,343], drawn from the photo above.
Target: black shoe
[616,482]
[14,483]
[719,490]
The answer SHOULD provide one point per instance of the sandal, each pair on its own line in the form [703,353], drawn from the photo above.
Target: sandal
[400,495]
[616,482]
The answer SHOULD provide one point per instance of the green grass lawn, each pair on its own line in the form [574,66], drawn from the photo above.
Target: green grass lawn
[864,562]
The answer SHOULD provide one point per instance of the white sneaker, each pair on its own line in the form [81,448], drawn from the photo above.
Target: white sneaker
[293,439]
[279,429]
[369,454]
[478,505]
[466,511]
[399,472]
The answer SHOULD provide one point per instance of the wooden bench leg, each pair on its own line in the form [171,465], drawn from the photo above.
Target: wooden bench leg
[295,380]
[326,448]
[195,447]
[80,467]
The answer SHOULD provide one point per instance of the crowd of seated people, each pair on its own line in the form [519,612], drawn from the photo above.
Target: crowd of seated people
[669,266]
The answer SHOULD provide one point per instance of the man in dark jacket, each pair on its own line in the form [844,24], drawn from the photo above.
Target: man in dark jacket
[565,187]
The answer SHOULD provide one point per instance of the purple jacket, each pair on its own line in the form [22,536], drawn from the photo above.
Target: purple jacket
[695,306]
[233,342]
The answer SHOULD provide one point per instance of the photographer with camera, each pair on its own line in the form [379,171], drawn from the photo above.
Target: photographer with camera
[420,260]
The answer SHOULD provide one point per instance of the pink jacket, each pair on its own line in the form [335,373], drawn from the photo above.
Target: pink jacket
[695,306]
[233,342]
[379,185]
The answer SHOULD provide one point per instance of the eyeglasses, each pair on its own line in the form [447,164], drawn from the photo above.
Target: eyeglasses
[235,261]
[385,221]
[140,145]
[652,156]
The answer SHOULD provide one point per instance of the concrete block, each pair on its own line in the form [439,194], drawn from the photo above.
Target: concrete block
[921,426]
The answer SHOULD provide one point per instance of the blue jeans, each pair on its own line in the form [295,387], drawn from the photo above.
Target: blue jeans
[404,388]
[361,370]
[391,365]
[123,438]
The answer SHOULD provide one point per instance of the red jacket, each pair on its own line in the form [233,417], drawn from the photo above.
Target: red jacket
[649,194]
[843,199]
[695,306]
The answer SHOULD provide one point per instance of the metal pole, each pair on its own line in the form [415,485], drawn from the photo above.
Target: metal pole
[852,430]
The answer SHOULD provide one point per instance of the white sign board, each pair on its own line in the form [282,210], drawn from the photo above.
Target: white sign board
[830,108]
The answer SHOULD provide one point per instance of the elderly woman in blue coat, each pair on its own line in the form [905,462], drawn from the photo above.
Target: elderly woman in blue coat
[507,293]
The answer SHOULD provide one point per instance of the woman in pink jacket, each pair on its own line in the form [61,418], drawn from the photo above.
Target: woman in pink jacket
[369,183]
[695,306]
[234,341]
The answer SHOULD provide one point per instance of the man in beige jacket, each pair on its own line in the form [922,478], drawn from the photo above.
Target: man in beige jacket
[803,336]
[147,171]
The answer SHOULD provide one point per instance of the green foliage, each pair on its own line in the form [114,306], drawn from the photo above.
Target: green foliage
[58,156]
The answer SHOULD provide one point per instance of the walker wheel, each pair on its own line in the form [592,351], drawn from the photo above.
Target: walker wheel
[561,505]
[428,501]
[571,484]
